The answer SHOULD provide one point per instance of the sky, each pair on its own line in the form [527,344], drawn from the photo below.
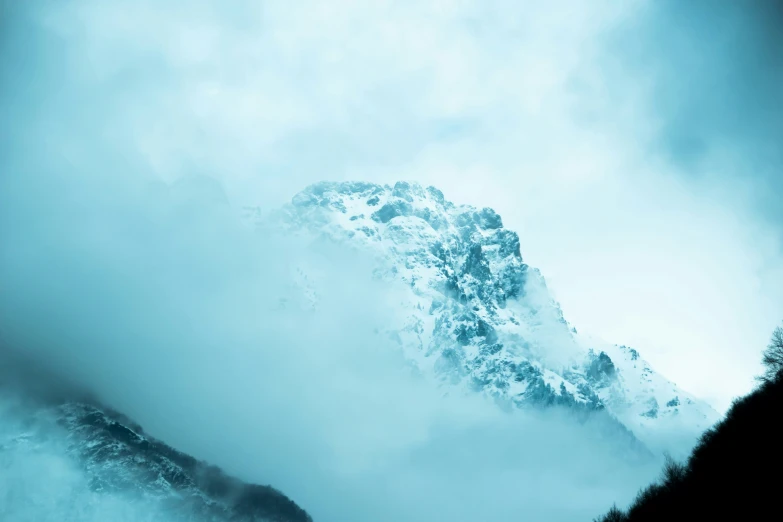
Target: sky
[633,147]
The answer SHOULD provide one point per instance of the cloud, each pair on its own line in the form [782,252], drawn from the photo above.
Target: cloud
[156,298]
[528,108]
[706,80]
[241,89]
[716,83]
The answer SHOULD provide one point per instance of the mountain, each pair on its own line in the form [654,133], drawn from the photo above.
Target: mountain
[75,459]
[477,317]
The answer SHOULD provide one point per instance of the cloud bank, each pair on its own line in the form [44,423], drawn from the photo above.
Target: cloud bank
[632,145]
[589,140]
[158,300]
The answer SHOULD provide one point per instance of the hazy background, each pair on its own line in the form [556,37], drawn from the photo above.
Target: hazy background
[634,145]
[634,148]
[159,300]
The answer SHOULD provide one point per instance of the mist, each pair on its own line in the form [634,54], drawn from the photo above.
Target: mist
[133,132]
[716,75]
[156,298]
[632,145]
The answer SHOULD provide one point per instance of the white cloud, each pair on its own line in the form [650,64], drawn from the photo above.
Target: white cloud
[158,300]
[515,105]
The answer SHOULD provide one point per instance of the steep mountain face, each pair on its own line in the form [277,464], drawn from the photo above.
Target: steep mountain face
[99,465]
[477,317]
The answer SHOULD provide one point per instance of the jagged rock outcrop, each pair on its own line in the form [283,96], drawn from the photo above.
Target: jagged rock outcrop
[479,317]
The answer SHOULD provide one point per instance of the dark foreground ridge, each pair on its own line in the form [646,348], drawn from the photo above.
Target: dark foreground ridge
[732,474]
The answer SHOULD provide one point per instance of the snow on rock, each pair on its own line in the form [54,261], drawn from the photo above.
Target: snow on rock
[477,317]
[96,464]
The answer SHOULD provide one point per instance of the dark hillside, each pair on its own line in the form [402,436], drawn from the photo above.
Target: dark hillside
[734,473]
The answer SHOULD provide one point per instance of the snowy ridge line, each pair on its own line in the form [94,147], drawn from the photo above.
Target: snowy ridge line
[477,317]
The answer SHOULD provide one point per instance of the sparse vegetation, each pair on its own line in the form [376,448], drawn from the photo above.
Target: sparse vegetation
[773,356]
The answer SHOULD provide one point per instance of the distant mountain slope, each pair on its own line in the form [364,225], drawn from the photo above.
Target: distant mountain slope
[477,317]
[100,464]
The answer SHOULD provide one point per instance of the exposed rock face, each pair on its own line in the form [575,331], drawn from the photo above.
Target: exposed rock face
[479,318]
[116,457]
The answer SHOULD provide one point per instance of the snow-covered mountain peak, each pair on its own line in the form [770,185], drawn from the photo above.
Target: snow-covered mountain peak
[477,317]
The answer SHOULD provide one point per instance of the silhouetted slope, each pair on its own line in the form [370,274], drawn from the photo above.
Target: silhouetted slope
[732,474]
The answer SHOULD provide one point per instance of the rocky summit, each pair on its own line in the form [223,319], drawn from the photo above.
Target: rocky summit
[478,318]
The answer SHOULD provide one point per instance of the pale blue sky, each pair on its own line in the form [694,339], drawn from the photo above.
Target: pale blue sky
[637,185]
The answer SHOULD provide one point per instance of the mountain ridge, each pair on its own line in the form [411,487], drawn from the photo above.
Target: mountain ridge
[115,457]
[108,461]
[478,317]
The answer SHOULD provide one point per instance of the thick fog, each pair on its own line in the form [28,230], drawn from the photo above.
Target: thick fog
[130,131]
[631,144]
[158,299]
